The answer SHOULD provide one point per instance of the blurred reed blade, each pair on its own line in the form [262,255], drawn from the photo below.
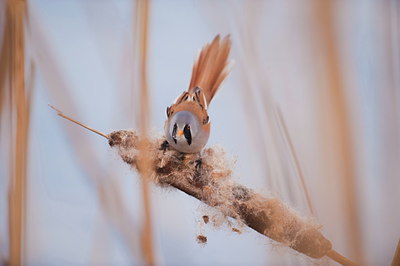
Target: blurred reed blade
[4,60]
[20,112]
[396,257]
[339,116]
[142,14]
[271,141]
[115,209]
[293,154]
[30,86]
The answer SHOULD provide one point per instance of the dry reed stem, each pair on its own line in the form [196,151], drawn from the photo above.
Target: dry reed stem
[17,189]
[142,13]
[60,113]
[396,257]
[340,120]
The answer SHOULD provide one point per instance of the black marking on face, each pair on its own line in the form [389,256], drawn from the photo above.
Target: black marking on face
[168,111]
[187,134]
[174,132]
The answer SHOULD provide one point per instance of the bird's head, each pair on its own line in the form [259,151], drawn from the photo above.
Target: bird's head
[185,133]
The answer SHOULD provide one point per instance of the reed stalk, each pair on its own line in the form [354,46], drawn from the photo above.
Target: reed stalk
[20,110]
[142,13]
[396,257]
[339,115]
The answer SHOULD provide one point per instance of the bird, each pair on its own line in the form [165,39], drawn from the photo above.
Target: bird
[187,127]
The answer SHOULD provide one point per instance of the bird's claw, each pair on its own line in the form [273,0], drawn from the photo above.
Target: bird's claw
[164,146]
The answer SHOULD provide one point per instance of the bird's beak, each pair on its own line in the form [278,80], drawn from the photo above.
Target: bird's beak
[180,133]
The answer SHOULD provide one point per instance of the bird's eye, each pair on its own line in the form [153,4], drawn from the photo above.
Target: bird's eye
[174,132]
[188,134]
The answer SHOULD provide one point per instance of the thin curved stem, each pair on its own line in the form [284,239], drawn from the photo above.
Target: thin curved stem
[60,113]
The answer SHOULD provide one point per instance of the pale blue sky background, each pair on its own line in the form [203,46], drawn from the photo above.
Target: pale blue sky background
[84,60]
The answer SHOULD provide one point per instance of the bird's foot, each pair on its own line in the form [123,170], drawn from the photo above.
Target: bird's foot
[164,146]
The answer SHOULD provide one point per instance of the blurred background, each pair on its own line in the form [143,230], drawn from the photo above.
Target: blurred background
[310,113]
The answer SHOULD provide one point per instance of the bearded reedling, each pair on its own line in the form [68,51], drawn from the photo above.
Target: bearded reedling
[187,127]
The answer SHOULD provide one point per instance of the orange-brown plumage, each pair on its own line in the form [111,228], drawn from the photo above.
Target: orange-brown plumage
[195,108]
[187,127]
[211,67]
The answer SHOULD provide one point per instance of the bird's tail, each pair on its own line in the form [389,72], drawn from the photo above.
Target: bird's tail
[211,66]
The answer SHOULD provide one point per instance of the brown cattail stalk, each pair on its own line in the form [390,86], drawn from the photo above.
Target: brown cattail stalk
[17,191]
[205,176]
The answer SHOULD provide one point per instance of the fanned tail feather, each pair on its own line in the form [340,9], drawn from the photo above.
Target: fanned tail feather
[211,67]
